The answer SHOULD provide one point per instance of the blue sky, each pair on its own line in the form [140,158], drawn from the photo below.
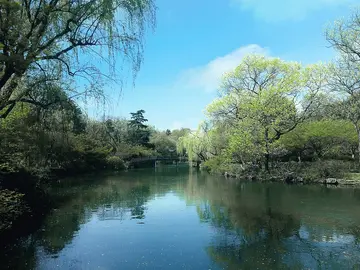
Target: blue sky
[195,42]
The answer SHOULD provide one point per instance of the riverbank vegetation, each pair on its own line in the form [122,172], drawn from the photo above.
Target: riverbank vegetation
[39,146]
[279,119]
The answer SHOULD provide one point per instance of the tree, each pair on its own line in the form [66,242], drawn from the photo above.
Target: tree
[139,133]
[263,99]
[196,144]
[36,138]
[344,83]
[321,138]
[42,41]
[344,36]
[178,133]
[138,120]
[164,144]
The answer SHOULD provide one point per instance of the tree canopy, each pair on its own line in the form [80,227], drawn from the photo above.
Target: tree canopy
[51,41]
[263,99]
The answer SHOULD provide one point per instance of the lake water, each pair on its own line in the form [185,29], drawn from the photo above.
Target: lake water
[176,218]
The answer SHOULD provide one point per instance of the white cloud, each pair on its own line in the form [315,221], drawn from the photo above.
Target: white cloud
[208,77]
[177,125]
[280,10]
[191,123]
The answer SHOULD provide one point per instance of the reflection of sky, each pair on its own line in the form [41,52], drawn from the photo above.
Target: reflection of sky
[329,250]
[334,237]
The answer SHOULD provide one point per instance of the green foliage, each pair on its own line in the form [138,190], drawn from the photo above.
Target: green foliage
[42,40]
[137,120]
[177,133]
[130,151]
[196,144]
[218,164]
[260,101]
[311,172]
[269,110]
[164,144]
[115,163]
[344,79]
[139,132]
[325,169]
[327,137]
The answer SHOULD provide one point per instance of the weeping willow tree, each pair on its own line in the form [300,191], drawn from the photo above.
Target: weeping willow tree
[196,144]
[56,40]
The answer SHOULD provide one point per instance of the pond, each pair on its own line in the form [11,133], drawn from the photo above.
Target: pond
[179,218]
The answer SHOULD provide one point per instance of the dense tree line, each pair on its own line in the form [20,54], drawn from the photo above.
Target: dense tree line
[270,111]
[61,139]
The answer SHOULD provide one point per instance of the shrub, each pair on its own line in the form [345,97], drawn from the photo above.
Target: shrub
[313,171]
[324,169]
[115,163]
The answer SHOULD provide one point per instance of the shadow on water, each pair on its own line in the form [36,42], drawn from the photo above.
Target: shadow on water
[223,224]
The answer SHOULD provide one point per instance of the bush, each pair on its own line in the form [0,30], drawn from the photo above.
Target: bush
[115,163]
[215,165]
[324,169]
[308,171]
[313,171]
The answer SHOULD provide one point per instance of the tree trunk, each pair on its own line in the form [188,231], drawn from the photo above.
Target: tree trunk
[267,161]
[8,88]
[267,154]
[358,133]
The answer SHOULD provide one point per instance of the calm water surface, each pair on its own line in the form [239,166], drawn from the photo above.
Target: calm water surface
[173,218]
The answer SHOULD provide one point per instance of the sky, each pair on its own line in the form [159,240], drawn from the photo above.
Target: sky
[195,42]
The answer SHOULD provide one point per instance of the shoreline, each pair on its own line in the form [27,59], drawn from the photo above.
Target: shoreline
[291,179]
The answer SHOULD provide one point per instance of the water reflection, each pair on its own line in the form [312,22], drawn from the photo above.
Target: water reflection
[176,218]
[281,227]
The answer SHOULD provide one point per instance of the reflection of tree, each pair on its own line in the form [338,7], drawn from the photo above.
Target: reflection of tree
[113,198]
[355,231]
[107,200]
[111,213]
[61,227]
[261,226]
[139,197]
[21,253]
[263,238]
